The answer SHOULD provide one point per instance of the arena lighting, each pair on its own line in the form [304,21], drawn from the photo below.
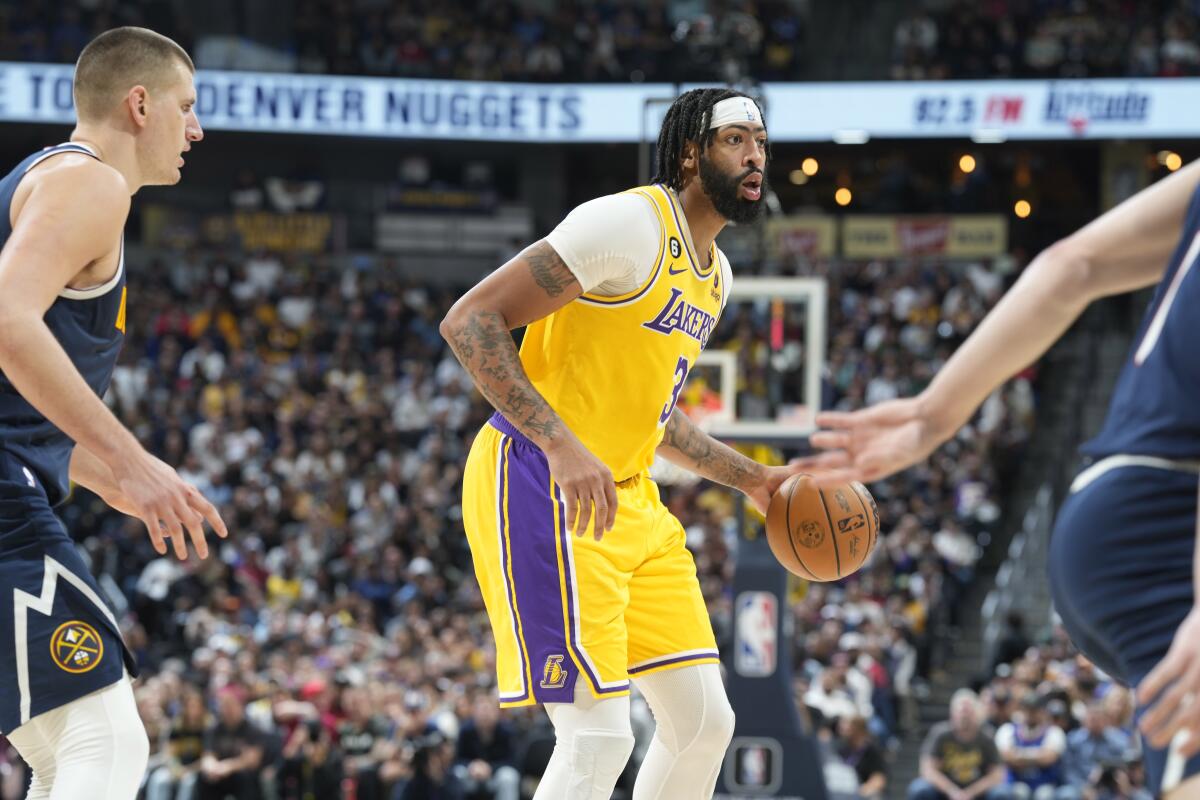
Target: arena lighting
[843,196]
[967,163]
[988,136]
[798,177]
[810,166]
[851,136]
[1022,209]
[1170,159]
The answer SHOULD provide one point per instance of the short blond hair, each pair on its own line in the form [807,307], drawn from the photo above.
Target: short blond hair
[116,61]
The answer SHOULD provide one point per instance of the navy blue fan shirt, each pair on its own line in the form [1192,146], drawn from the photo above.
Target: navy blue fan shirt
[1155,408]
[90,326]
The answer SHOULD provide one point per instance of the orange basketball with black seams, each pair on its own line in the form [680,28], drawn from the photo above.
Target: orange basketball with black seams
[822,534]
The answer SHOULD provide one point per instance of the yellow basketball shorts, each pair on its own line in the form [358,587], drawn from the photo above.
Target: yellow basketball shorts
[563,606]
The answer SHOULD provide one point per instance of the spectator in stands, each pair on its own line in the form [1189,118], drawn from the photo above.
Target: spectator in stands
[1091,747]
[363,740]
[486,753]
[232,752]
[312,765]
[960,756]
[185,748]
[433,779]
[1032,750]
[858,750]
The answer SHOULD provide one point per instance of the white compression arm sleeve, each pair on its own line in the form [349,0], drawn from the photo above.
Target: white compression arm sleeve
[610,244]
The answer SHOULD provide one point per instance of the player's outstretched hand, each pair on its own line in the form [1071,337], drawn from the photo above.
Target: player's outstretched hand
[154,492]
[586,485]
[1171,692]
[870,444]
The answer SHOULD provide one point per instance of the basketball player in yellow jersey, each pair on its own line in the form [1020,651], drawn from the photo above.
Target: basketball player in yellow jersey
[584,571]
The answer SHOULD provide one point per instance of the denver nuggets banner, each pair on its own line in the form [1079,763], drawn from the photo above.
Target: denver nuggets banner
[357,106]
[558,113]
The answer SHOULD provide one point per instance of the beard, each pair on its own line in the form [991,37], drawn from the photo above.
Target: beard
[723,191]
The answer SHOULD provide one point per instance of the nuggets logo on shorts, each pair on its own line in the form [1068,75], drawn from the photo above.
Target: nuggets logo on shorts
[76,647]
[553,674]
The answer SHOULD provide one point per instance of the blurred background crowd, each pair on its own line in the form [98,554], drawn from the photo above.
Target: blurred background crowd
[621,40]
[336,646]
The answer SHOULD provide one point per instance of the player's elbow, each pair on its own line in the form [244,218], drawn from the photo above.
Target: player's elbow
[1069,275]
[13,323]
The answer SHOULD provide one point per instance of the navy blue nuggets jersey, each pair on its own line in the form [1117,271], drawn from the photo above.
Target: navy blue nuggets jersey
[59,640]
[1122,550]
[90,326]
[1154,409]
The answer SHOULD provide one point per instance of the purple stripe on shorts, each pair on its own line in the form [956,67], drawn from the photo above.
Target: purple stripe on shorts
[535,572]
[676,660]
[536,575]
[504,546]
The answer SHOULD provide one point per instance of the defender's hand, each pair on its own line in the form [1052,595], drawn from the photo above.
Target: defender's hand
[871,444]
[586,484]
[156,494]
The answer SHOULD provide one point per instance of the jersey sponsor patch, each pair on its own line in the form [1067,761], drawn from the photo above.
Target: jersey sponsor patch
[76,647]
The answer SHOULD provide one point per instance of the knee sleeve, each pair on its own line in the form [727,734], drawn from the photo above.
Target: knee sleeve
[593,741]
[690,708]
[597,759]
[694,724]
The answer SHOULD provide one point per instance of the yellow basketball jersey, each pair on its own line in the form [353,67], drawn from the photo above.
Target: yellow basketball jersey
[612,367]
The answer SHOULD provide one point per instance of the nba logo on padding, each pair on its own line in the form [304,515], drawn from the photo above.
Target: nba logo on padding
[553,674]
[756,645]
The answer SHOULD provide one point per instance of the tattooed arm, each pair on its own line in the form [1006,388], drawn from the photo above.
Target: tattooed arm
[691,448]
[533,285]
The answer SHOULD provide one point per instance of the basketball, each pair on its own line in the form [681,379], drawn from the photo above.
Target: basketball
[822,534]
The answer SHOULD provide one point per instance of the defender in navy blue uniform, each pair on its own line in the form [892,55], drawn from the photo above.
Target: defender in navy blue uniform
[66,701]
[1123,558]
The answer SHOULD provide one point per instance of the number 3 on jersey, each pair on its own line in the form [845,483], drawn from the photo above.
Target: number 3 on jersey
[681,373]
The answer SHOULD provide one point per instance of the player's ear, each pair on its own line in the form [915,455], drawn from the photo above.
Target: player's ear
[138,102]
[691,152]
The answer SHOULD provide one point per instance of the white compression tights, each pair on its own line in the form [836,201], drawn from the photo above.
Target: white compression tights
[594,739]
[694,724]
[93,747]
[592,742]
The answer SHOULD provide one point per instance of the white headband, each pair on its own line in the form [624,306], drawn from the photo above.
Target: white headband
[735,109]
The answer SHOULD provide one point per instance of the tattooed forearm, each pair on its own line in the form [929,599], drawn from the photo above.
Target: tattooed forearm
[689,447]
[486,350]
[548,269]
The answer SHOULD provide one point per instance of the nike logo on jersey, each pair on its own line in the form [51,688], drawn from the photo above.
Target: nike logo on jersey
[680,315]
[672,271]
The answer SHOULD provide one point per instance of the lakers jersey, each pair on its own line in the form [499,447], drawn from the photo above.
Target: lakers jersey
[613,367]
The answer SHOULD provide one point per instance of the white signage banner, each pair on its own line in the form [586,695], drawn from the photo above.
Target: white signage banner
[561,113]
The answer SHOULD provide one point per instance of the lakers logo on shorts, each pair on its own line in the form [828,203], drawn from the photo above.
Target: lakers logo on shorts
[553,674]
[76,647]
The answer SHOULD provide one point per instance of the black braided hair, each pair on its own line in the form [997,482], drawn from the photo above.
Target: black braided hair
[687,120]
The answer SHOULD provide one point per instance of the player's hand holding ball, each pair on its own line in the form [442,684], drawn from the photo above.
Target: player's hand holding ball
[586,484]
[822,533]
